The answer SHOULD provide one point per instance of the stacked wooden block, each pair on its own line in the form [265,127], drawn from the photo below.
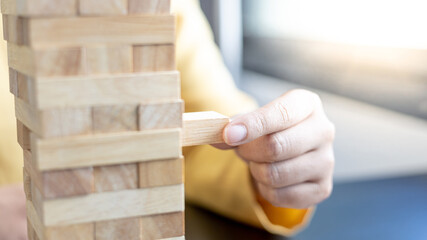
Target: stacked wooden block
[99,117]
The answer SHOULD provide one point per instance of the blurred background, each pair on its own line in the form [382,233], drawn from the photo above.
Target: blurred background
[367,59]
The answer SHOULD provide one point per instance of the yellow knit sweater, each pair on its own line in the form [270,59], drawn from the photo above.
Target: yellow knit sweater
[215,179]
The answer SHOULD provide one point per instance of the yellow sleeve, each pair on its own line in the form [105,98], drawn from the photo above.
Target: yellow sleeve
[219,180]
[11,162]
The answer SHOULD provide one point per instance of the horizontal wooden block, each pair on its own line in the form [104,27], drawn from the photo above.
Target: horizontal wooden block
[114,205]
[109,59]
[107,90]
[161,115]
[24,139]
[13,29]
[162,226]
[27,184]
[53,122]
[154,58]
[161,173]
[116,177]
[46,62]
[107,7]
[117,118]
[70,32]
[106,149]
[5,27]
[85,231]
[39,7]
[203,128]
[128,228]
[61,183]
[149,6]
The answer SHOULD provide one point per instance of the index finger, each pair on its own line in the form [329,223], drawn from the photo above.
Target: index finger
[283,113]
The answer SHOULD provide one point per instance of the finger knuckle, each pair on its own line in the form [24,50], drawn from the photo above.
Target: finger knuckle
[283,111]
[260,123]
[324,190]
[274,147]
[272,175]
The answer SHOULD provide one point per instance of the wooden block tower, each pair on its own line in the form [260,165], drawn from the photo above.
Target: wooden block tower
[100,118]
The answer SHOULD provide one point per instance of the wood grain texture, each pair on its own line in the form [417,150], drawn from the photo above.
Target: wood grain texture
[161,173]
[161,115]
[116,177]
[117,118]
[13,81]
[174,238]
[39,7]
[128,228]
[27,184]
[66,122]
[67,183]
[152,58]
[34,221]
[53,122]
[120,204]
[162,226]
[203,128]
[109,59]
[66,32]
[13,29]
[107,90]
[108,7]
[149,6]
[46,62]
[23,133]
[83,231]
[106,149]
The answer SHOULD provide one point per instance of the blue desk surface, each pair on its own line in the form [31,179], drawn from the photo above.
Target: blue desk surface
[381,209]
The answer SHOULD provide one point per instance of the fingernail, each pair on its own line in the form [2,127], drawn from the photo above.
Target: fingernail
[235,134]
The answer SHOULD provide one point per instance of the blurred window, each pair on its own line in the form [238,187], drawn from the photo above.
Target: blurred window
[370,50]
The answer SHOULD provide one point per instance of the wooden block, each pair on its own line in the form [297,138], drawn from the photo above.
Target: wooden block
[34,221]
[39,7]
[46,62]
[115,118]
[13,29]
[163,226]
[161,115]
[31,233]
[67,183]
[109,59]
[83,231]
[24,139]
[107,7]
[5,27]
[129,30]
[120,204]
[161,173]
[117,177]
[149,6]
[54,122]
[128,228]
[27,184]
[175,238]
[107,90]
[203,128]
[13,81]
[150,58]
[106,149]
[66,122]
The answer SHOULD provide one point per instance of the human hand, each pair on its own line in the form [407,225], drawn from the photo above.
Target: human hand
[288,145]
[13,220]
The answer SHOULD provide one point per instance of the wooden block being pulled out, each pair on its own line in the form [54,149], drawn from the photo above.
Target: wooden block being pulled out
[203,128]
